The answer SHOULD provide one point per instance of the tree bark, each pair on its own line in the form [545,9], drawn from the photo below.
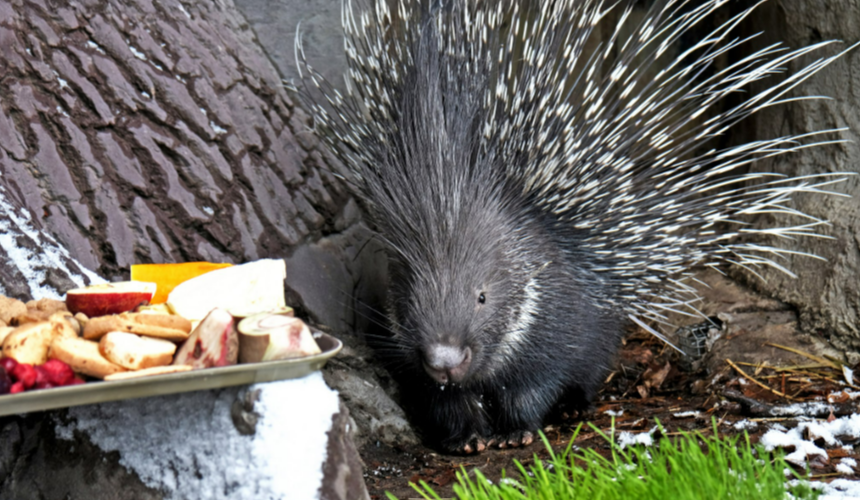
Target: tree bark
[153,132]
[825,293]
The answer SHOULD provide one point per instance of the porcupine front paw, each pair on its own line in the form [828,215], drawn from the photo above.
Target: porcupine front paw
[514,439]
[473,443]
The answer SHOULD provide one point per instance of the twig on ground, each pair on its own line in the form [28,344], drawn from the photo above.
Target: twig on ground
[757,382]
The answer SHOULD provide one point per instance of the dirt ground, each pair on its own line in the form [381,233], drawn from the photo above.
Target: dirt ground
[648,384]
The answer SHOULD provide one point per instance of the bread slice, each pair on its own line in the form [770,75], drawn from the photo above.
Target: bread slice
[83,356]
[173,328]
[29,343]
[135,352]
[146,372]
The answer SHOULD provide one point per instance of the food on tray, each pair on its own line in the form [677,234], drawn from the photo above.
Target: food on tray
[4,332]
[163,326]
[10,309]
[267,337]
[42,309]
[5,381]
[146,372]
[242,290]
[168,276]
[29,343]
[17,377]
[83,356]
[213,343]
[135,352]
[154,309]
[109,298]
[117,331]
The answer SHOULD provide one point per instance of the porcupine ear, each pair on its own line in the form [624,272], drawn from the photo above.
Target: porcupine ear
[630,166]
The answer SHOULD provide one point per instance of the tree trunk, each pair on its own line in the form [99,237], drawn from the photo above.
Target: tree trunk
[825,293]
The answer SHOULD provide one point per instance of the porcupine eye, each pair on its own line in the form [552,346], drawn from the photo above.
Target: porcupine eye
[481,298]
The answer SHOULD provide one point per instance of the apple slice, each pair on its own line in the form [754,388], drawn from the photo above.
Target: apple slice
[242,290]
[109,298]
[267,337]
[213,343]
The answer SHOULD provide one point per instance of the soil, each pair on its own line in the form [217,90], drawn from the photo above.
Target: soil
[647,384]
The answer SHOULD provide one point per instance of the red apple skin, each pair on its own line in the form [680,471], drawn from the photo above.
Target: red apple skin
[112,298]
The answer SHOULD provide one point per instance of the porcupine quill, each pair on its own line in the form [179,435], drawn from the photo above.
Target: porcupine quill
[535,196]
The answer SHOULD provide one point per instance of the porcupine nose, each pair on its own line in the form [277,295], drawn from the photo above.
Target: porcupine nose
[447,363]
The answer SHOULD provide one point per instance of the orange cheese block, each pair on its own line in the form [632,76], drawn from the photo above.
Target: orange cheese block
[168,276]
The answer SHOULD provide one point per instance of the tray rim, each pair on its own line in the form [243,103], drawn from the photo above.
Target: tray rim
[169,383]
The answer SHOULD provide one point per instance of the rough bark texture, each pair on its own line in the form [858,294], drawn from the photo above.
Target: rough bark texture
[159,132]
[826,293]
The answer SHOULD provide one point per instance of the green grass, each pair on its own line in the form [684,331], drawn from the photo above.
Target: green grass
[689,467]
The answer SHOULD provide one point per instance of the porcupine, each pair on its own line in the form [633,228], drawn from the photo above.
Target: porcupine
[536,197]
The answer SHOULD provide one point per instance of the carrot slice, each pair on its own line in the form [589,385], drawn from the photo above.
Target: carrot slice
[168,276]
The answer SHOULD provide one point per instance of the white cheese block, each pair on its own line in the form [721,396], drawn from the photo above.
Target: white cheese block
[242,290]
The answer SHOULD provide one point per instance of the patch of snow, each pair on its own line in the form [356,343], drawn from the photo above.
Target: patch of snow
[33,265]
[630,438]
[182,9]
[687,414]
[839,394]
[614,413]
[140,55]
[798,409]
[187,446]
[745,424]
[774,438]
[848,375]
[218,130]
[93,45]
[208,210]
[846,465]
[837,489]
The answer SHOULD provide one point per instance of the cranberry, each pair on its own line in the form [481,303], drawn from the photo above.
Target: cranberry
[5,381]
[57,372]
[8,364]
[26,374]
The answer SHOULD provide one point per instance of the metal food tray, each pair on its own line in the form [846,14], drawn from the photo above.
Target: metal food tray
[171,383]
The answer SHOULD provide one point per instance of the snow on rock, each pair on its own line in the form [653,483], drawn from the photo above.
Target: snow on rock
[828,431]
[846,465]
[187,446]
[33,264]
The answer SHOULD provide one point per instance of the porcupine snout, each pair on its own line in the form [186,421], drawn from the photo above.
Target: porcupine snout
[447,363]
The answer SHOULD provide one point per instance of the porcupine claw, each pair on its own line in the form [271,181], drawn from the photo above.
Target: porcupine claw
[474,444]
[514,439]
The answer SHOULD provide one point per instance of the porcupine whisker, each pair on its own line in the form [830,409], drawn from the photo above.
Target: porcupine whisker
[368,317]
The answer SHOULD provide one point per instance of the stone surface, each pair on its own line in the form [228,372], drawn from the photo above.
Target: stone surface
[371,394]
[342,472]
[186,446]
[826,293]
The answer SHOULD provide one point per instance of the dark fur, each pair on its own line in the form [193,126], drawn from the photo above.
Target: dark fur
[457,228]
